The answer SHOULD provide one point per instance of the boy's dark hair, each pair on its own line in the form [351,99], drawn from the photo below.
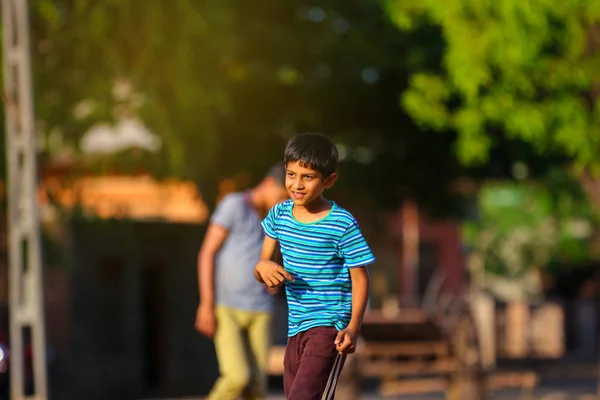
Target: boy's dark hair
[313,151]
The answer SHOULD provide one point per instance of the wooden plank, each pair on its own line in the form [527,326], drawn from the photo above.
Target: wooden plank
[516,335]
[437,348]
[394,368]
[412,386]
[414,316]
[402,332]
[505,380]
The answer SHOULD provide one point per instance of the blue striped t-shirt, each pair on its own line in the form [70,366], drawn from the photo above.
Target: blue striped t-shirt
[318,256]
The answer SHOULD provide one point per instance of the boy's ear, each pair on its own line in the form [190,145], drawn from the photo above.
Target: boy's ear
[330,180]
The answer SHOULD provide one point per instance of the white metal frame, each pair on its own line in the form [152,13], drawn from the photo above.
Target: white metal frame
[24,248]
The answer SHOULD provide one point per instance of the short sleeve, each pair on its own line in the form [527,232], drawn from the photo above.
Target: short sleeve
[226,211]
[268,224]
[354,249]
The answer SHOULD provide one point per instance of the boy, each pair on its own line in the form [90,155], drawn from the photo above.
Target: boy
[234,309]
[324,258]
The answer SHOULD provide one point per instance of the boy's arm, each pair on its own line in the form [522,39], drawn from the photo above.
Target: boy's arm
[360,297]
[267,270]
[267,253]
[346,339]
[357,255]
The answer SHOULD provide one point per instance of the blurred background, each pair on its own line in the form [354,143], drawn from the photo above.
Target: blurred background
[469,140]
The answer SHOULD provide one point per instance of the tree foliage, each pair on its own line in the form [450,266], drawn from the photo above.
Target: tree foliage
[212,75]
[529,70]
[524,228]
[172,53]
[224,83]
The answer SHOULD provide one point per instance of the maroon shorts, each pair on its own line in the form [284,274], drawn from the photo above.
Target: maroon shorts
[308,361]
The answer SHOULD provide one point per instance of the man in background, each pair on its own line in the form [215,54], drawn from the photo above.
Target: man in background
[234,309]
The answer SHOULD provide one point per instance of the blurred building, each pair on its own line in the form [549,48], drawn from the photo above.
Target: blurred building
[121,288]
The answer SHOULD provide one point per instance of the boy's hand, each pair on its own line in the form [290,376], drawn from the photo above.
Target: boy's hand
[345,342]
[273,274]
[205,321]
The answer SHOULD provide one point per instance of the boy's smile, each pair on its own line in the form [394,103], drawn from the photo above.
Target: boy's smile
[304,185]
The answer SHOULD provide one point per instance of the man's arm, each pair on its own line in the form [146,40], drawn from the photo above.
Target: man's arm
[213,240]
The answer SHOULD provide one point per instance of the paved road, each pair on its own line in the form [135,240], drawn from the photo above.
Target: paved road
[550,388]
[562,392]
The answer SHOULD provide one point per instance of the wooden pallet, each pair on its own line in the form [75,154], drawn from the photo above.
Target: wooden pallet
[525,381]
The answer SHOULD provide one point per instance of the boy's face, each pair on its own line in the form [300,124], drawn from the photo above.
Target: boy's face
[305,184]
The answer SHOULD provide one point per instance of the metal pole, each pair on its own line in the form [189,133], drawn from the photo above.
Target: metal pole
[410,252]
[24,247]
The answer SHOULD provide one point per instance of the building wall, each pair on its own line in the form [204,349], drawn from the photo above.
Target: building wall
[121,316]
[133,301]
[439,249]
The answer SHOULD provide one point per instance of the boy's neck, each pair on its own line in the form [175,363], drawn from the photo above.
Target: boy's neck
[318,205]
[314,211]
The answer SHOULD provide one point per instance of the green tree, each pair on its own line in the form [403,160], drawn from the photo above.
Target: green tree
[524,70]
[225,82]
[215,77]
[172,53]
